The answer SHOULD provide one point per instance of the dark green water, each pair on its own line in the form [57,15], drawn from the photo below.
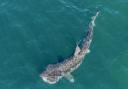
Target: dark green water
[34,33]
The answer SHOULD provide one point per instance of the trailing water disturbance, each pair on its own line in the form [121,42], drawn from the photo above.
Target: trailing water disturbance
[55,72]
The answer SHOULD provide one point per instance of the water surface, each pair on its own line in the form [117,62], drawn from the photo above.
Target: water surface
[35,33]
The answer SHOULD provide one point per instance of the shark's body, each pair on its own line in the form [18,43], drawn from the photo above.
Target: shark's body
[54,72]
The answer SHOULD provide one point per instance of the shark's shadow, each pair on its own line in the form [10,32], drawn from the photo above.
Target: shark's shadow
[60,59]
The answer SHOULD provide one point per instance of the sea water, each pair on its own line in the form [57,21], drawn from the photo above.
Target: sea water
[35,33]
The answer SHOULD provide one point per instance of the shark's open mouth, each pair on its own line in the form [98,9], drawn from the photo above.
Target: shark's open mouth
[48,81]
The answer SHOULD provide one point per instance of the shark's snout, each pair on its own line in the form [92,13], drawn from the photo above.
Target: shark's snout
[46,79]
[50,79]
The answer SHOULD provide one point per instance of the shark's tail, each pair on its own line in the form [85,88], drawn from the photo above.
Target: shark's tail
[91,26]
[92,23]
[89,34]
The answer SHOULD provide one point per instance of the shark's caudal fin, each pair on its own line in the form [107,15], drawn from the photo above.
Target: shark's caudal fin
[94,18]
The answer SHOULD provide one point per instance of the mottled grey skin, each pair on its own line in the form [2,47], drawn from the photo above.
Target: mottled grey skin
[54,72]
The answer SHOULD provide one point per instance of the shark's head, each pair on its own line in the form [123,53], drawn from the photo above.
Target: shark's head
[51,75]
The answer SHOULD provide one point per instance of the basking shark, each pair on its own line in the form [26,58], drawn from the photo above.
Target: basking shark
[54,72]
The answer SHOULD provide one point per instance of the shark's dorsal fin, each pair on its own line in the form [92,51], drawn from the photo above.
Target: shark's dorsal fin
[77,50]
[69,77]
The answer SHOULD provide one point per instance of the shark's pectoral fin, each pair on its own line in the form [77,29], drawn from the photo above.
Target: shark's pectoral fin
[88,51]
[69,77]
[77,50]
